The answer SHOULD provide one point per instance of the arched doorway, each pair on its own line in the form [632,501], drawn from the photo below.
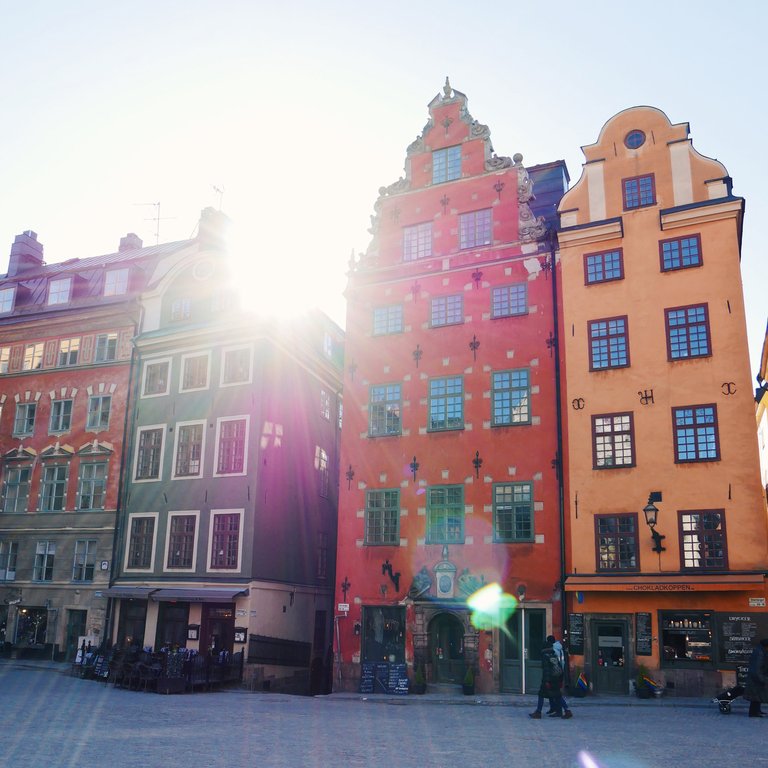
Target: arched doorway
[446,646]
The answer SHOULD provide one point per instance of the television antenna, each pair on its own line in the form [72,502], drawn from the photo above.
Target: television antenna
[220,192]
[157,219]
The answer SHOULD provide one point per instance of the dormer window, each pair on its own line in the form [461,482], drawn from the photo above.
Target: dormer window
[6,299]
[116,282]
[59,291]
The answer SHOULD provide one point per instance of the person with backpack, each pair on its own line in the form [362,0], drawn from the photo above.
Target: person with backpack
[551,683]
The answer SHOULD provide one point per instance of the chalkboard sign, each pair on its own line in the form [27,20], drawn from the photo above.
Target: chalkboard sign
[576,634]
[397,682]
[366,677]
[739,634]
[381,677]
[643,634]
[101,667]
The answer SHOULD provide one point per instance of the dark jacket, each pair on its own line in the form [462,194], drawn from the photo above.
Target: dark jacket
[757,676]
[551,673]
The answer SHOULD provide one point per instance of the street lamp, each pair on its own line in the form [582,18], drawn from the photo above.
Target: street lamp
[651,512]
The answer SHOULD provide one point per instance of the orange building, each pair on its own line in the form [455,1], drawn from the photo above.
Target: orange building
[448,452]
[660,417]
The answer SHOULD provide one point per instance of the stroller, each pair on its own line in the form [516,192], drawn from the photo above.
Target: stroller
[725,698]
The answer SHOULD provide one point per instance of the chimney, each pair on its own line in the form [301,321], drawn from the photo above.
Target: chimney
[130,242]
[213,228]
[26,253]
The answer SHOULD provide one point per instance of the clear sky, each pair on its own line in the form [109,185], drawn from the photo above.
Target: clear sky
[299,111]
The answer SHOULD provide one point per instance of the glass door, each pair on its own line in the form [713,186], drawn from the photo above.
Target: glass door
[521,659]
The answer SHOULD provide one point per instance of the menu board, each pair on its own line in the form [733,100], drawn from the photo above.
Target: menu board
[366,677]
[576,634]
[397,681]
[643,634]
[738,635]
[381,677]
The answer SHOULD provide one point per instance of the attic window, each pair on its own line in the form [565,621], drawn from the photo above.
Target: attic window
[116,282]
[59,291]
[6,299]
[634,139]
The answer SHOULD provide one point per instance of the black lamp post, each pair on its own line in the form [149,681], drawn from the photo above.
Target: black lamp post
[651,512]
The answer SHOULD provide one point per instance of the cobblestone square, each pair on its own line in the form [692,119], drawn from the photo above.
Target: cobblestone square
[50,718]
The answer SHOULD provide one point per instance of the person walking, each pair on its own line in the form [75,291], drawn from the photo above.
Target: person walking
[551,683]
[756,691]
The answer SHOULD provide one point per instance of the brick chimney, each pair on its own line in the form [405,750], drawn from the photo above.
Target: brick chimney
[213,228]
[130,242]
[26,253]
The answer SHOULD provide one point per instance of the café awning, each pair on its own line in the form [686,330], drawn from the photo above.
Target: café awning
[128,593]
[199,594]
[662,583]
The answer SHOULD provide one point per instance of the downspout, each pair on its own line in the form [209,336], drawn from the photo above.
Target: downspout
[127,447]
[559,420]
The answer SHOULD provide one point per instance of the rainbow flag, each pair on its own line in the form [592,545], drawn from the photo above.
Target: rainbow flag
[581,681]
[652,684]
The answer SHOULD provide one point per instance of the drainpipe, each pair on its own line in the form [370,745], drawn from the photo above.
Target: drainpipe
[553,245]
[127,445]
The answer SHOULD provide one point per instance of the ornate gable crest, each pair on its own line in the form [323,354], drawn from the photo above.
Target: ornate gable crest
[57,451]
[96,448]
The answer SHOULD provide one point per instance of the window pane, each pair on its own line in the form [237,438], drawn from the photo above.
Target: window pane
[417,241]
[446,403]
[231,452]
[226,537]
[382,517]
[509,300]
[475,229]
[445,515]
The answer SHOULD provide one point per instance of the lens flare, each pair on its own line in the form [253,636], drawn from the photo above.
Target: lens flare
[491,607]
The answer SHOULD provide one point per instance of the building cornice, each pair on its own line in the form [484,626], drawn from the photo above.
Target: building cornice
[593,232]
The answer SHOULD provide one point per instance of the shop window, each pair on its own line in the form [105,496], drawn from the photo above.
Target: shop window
[383,634]
[686,638]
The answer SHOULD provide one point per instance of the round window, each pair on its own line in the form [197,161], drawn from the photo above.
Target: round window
[634,139]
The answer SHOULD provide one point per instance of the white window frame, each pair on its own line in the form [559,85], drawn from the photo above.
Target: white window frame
[58,411]
[7,548]
[66,348]
[85,556]
[106,358]
[227,350]
[101,397]
[144,372]
[242,417]
[57,293]
[145,428]
[5,360]
[116,282]
[92,481]
[39,570]
[325,404]
[182,513]
[7,300]
[322,464]
[37,348]
[190,356]
[177,430]
[131,517]
[209,553]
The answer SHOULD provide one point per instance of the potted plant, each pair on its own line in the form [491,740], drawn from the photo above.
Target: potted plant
[642,689]
[468,686]
[419,680]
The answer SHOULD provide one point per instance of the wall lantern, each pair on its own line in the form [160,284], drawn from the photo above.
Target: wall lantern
[651,512]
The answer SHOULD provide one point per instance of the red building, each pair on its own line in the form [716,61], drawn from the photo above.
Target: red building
[65,365]
[450,440]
